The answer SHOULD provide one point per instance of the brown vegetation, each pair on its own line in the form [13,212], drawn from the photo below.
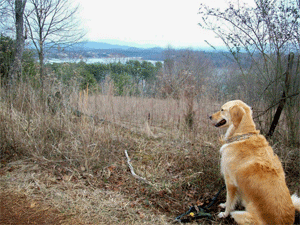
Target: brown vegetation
[75,162]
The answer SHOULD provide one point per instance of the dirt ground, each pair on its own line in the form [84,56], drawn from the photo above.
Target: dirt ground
[18,209]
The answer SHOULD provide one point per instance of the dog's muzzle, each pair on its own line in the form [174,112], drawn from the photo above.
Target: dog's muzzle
[221,123]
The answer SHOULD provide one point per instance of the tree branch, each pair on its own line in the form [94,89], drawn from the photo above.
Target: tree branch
[134,174]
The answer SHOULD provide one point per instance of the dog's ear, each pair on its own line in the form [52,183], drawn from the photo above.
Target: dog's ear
[236,113]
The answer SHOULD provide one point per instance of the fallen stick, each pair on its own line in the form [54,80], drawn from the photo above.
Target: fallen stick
[134,174]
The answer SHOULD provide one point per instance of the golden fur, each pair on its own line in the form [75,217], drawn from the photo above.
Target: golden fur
[253,173]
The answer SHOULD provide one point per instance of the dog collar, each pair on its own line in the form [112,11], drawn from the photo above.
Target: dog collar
[239,138]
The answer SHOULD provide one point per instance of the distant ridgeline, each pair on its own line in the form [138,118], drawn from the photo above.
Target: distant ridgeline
[103,50]
[95,52]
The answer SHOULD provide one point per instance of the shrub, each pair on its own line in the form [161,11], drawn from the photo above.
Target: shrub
[7,54]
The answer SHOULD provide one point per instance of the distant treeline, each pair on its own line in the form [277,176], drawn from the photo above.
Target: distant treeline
[136,77]
[180,68]
[127,75]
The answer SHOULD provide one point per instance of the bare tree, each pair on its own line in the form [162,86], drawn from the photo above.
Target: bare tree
[2,9]
[52,23]
[266,32]
[12,12]
[3,12]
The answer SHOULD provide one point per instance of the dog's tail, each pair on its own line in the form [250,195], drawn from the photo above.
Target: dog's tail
[296,202]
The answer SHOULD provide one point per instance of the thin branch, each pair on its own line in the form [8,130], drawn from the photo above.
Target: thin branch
[134,174]
[272,106]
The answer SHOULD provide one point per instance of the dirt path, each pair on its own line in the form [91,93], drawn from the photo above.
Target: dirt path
[17,209]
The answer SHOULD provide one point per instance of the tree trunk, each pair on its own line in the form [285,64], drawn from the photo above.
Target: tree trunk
[16,69]
[41,58]
[282,101]
[41,54]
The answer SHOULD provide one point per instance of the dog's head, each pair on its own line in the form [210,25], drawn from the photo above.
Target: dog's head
[232,115]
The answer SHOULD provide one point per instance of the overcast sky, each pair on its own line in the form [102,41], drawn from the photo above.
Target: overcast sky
[155,22]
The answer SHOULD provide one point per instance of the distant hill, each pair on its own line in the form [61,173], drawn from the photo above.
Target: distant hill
[112,45]
[101,45]
[91,49]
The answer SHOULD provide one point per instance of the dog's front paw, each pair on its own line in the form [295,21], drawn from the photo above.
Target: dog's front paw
[222,215]
[222,205]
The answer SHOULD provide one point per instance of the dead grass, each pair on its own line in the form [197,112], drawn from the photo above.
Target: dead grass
[78,165]
[72,197]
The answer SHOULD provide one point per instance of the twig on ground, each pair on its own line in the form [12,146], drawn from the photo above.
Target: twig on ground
[134,174]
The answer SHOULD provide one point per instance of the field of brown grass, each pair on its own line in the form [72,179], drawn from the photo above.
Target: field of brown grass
[68,154]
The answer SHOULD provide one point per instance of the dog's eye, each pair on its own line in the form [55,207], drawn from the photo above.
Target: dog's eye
[222,109]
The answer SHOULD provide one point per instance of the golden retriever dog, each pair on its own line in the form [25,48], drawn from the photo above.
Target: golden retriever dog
[253,173]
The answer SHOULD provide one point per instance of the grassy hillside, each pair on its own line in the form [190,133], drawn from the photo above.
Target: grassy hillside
[69,151]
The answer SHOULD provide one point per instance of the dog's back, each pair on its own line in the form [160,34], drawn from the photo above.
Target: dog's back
[261,182]
[252,172]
